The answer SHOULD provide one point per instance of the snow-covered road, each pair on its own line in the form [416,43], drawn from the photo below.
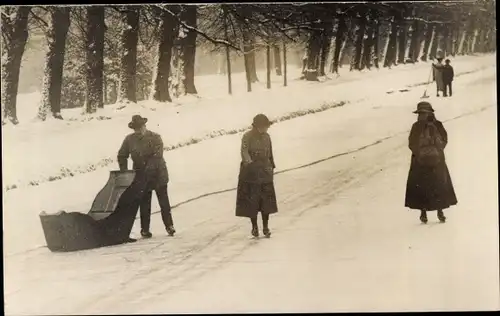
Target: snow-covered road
[342,240]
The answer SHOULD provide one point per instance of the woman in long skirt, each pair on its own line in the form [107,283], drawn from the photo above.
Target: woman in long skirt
[429,186]
[255,182]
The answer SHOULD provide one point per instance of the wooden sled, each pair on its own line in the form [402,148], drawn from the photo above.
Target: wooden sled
[106,200]
[77,231]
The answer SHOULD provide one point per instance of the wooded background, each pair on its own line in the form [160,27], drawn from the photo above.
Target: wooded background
[97,55]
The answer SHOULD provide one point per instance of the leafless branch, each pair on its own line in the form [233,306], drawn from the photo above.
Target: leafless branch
[41,21]
[194,29]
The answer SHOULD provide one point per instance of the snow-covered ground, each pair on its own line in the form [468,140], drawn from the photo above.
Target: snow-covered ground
[342,240]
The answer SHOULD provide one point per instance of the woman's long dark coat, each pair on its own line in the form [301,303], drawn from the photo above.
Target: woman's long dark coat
[256,180]
[428,188]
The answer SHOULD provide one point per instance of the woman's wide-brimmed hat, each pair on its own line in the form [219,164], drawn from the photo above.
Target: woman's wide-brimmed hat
[137,122]
[424,107]
[260,120]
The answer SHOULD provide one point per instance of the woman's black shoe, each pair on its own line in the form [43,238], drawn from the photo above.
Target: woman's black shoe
[423,217]
[266,232]
[146,234]
[441,217]
[255,232]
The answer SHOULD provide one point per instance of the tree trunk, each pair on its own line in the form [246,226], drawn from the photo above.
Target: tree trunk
[493,41]
[367,50]
[251,60]
[228,62]
[402,43]
[277,60]
[358,46]
[128,62]
[480,40]
[453,47]
[390,56]
[376,38]
[462,45]
[167,34]
[176,84]
[228,56]
[339,40]
[54,61]
[190,17]
[314,48]
[474,41]
[247,74]
[435,42]
[249,54]
[94,58]
[429,34]
[326,40]
[15,29]
[284,65]
[268,66]
[444,41]
[415,40]
[343,50]
[385,39]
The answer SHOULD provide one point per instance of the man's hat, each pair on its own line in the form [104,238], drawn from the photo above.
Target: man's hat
[424,107]
[137,122]
[260,120]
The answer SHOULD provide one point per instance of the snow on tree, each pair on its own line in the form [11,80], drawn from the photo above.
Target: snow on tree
[94,58]
[56,32]
[128,62]
[168,30]
[14,36]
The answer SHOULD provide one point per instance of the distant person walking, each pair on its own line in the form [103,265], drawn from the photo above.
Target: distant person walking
[256,178]
[448,75]
[146,150]
[429,186]
[437,75]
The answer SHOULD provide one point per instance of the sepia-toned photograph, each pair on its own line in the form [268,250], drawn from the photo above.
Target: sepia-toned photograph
[253,157]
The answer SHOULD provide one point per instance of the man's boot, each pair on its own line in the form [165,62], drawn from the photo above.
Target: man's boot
[170,230]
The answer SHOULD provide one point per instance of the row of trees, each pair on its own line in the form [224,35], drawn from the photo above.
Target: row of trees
[130,53]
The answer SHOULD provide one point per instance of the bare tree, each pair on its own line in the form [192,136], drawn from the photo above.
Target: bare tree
[390,56]
[128,61]
[94,58]
[188,43]
[339,40]
[360,34]
[14,37]
[54,62]
[168,30]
